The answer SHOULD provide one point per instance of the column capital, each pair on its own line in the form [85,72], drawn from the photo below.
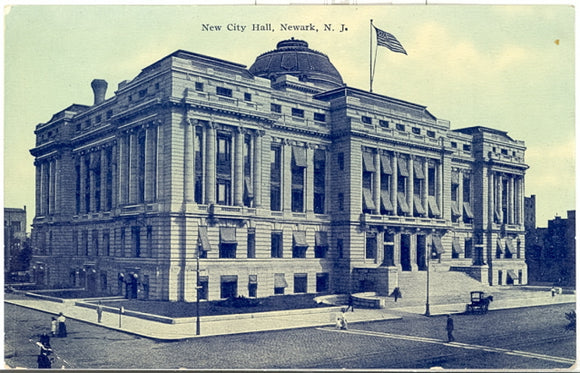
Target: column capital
[192,121]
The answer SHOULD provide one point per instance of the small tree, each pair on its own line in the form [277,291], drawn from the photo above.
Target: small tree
[571,317]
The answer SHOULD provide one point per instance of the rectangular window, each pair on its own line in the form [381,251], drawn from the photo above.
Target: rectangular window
[298,113]
[142,93]
[276,245]
[199,86]
[75,240]
[384,123]
[340,201]
[300,282]
[279,283]
[106,243]
[122,243]
[366,120]
[466,147]
[95,237]
[431,134]
[416,130]
[319,181]
[400,127]
[141,167]
[223,192]
[149,241]
[136,240]
[202,291]
[453,144]
[247,96]
[78,188]
[468,247]
[221,91]
[253,286]
[319,117]
[371,247]
[198,165]
[275,108]
[275,178]
[97,178]
[340,247]
[109,179]
[340,160]
[251,244]
[228,243]
[98,119]
[321,282]
[229,286]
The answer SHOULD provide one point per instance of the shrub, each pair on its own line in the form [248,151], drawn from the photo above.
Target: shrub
[571,317]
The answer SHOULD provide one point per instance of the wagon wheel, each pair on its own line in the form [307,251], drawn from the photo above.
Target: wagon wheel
[469,308]
[484,308]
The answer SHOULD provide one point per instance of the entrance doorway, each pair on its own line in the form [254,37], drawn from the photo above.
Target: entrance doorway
[389,250]
[406,252]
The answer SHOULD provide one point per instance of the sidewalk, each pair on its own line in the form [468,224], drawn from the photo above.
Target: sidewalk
[268,321]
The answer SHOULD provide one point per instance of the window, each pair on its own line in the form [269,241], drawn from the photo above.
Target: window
[142,93]
[400,127]
[431,134]
[340,160]
[340,201]
[300,246]
[109,114]
[198,194]
[136,239]
[384,123]
[275,108]
[223,192]
[221,91]
[468,247]
[251,244]
[504,151]
[300,282]
[253,286]
[298,113]
[202,291]
[98,119]
[149,241]
[366,120]
[466,147]
[228,243]
[340,247]
[199,86]
[320,244]
[247,96]
[157,86]
[247,161]
[95,237]
[319,181]
[106,243]
[319,117]
[453,144]
[275,178]
[228,286]
[276,245]
[321,282]
[279,283]
[141,167]
[298,172]
[224,167]
[416,130]
[371,247]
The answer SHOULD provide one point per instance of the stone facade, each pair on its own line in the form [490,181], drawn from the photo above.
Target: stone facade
[199,172]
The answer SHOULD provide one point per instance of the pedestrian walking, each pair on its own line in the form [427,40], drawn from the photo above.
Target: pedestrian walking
[397,293]
[53,324]
[99,312]
[43,359]
[350,304]
[341,322]
[450,328]
[61,326]
[553,290]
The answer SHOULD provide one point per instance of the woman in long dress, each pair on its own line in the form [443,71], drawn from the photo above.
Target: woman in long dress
[61,325]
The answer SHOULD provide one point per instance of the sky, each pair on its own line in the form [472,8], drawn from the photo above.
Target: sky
[506,67]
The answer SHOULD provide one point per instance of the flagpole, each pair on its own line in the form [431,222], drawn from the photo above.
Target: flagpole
[371,56]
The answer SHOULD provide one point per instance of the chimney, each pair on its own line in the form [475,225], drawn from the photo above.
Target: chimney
[99,89]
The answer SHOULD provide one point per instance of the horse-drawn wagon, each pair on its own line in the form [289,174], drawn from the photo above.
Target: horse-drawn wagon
[479,302]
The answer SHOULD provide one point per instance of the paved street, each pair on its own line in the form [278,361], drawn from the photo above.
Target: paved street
[501,339]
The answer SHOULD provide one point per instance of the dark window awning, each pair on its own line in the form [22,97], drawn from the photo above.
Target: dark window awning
[253,279]
[509,246]
[203,240]
[456,246]
[229,278]
[402,165]
[418,204]
[248,186]
[228,235]
[499,246]
[299,155]
[321,239]
[437,245]
[467,210]
[511,273]
[368,163]
[386,200]
[280,281]
[455,208]
[402,202]
[455,178]
[419,174]
[300,239]
[386,164]
[368,202]
[433,205]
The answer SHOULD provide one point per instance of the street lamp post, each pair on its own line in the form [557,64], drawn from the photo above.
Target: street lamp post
[428,259]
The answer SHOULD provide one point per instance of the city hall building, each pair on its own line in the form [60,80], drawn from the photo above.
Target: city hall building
[201,177]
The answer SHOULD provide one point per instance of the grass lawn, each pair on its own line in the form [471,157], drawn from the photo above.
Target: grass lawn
[183,309]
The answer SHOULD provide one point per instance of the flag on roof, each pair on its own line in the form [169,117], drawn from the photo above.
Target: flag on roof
[384,39]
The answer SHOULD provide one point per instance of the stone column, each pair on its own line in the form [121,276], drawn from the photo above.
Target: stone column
[286,186]
[511,200]
[425,196]
[104,168]
[499,200]
[188,162]
[38,190]
[439,188]
[239,167]
[150,157]
[490,196]
[93,159]
[51,186]
[460,193]
[210,164]
[115,175]
[258,168]
[133,166]
[410,185]
[394,183]
[159,169]
[377,184]
[309,180]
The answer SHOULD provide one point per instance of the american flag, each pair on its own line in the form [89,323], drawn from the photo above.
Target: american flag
[384,39]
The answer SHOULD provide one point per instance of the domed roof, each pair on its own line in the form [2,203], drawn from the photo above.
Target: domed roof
[293,57]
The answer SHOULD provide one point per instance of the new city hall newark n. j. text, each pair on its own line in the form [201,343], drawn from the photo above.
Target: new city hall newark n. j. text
[281,178]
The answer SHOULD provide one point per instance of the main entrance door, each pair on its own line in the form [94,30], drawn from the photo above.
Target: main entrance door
[421,245]
[405,252]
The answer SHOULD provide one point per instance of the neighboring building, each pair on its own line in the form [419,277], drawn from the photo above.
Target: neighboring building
[279,178]
[14,237]
[551,251]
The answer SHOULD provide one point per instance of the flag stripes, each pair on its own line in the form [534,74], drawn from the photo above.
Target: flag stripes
[384,39]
